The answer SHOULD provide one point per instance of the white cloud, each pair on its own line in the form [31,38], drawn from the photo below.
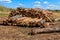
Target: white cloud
[37,2]
[45,2]
[20,5]
[37,5]
[52,6]
[59,3]
[8,1]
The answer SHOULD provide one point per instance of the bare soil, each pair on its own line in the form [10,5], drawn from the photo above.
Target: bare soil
[22,33]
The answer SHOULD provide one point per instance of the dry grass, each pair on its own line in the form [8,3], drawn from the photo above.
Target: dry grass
[56,15]
[4,13]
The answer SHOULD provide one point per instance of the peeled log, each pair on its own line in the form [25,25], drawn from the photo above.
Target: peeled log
[45,30]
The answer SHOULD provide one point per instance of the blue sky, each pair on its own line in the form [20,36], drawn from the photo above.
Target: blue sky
[45,4]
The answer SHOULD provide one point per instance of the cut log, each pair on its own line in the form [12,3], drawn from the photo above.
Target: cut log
[45,30]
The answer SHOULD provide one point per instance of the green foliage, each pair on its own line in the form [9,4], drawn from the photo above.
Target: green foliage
[5,9]
[4,14]
[58,11]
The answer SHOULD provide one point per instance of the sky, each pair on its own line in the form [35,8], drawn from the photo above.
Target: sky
[45,4]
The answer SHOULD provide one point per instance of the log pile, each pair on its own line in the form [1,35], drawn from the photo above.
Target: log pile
[29,17]
[33,13]
[32,17]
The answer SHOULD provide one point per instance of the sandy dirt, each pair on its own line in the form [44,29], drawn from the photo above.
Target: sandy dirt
[22,33]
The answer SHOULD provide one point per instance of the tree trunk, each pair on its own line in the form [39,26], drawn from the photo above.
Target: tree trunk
[45,30]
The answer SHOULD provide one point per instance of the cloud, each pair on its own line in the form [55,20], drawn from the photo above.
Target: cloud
[58,2]
[52,6]
[8,1]
[20,5]
[37,2]
[45,2]
[37,5]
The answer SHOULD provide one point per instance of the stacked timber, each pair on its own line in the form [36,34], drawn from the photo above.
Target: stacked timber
[29,17]
[33,13]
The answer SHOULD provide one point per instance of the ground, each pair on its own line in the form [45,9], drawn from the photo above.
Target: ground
[22,33]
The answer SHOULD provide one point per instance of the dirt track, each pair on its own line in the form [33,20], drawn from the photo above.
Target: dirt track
[21,33]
